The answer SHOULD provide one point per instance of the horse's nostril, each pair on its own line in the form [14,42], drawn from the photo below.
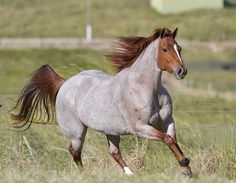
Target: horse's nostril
[180,72]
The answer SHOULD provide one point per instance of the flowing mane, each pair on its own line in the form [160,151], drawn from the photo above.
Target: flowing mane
[127,49]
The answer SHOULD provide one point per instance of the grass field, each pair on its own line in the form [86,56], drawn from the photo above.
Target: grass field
[212,150]
[204,102]
[151,161]
[204,66]
[16,66]
[47,18]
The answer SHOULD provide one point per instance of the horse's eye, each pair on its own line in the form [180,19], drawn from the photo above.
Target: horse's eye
[165,49]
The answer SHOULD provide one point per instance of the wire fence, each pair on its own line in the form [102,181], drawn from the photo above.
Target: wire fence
[190,136]
[203,136]
[223,134]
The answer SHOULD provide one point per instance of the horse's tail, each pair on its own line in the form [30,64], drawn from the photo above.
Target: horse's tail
[37,99]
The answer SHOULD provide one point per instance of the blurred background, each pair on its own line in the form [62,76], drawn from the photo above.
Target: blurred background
[73,36]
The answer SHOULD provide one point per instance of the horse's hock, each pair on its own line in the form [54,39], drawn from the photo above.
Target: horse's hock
[174,6]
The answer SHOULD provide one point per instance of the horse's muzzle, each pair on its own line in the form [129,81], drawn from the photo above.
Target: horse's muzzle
[181,73]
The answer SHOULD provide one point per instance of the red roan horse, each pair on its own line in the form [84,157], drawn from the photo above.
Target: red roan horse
[134,101]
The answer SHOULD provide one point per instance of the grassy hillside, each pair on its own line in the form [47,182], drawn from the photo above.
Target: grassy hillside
[16,66]
[49,18]
[204,66]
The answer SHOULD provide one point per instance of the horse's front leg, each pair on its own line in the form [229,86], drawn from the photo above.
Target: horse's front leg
[147,131]
[171,131]
[171,128]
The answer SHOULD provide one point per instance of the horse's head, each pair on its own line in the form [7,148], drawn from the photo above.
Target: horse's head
[169,54]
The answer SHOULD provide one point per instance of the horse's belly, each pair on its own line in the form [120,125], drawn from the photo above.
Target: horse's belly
[103,118]
[115,126]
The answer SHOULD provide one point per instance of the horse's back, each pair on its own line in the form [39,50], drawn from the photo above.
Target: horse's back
[95,74]
[83,82]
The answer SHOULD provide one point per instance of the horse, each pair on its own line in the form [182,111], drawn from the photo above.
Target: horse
[133,101]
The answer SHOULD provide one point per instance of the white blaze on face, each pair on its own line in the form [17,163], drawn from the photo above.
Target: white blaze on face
[177,52]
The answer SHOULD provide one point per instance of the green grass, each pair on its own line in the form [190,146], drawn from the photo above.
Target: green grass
[211,149]
[16,66]
[217,80]
[151,161]
[204,67]
[47,18]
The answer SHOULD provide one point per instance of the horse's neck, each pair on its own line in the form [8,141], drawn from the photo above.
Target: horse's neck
[145,68]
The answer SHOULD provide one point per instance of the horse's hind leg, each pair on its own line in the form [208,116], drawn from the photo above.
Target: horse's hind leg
[114,150]
[76,146]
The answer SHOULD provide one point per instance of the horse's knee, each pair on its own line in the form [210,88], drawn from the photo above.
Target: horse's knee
[168,140]
[113,150]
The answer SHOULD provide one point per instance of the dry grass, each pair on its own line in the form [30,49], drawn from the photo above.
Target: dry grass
[136,159]
[209,161]
[151,161]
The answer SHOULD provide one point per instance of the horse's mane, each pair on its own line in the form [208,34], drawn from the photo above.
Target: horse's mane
[128,49]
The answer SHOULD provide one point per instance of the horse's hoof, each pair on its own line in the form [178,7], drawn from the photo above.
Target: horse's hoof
[186,171]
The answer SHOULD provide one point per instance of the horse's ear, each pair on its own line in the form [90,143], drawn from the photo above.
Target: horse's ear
[163,32]
[175,32]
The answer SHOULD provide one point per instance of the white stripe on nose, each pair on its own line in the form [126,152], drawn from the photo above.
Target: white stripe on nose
[177,52]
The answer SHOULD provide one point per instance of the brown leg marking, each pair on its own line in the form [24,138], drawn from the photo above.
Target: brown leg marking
[174,137]
[114,150]
[168,140]
[76,155]
[117,156]
[182,160]
[152,133]
[76,146]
